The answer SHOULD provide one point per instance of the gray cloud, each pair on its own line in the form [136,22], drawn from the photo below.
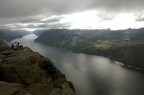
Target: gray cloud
[49,23]
[119,5]
[140,19]
[15,8]
[47,13]
[139,16]
[34,19]
[27,20]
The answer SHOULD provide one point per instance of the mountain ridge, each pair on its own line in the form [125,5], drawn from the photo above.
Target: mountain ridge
[8,35]
[125,46]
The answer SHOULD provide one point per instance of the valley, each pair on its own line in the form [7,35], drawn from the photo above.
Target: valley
[90,74]
[125,46]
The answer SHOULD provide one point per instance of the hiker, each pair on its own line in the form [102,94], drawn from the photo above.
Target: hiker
[12,45]
[15,45]
[20,46]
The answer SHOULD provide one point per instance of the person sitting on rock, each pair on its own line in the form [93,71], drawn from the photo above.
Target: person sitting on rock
[12,45]
[15,45]
[20,46]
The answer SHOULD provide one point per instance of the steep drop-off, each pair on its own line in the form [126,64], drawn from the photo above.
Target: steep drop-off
[24,72]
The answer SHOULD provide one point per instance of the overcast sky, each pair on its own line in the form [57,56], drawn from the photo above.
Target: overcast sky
[71,14]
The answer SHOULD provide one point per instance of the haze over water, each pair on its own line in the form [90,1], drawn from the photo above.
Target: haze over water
[91,75]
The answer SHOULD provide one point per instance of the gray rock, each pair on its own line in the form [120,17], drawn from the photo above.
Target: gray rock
[27,74]
[11,89]
[56,92]
[26,68]
[27,94]
[66,90]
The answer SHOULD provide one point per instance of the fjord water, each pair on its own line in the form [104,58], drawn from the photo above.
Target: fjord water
[91,75]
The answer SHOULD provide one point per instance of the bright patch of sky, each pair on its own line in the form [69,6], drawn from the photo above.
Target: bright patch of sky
[81,20]
[92,20]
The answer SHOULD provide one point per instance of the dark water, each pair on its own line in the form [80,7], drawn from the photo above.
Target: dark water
[91,75]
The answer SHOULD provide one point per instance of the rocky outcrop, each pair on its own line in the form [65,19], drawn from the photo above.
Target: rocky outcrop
[12,89]
[66,90]
[28,73]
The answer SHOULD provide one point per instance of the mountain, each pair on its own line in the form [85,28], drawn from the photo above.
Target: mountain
[8,35]
[60,38]
[121,45]
[24,72]
[38,32]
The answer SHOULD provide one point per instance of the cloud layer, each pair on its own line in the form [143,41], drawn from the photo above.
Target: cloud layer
[49,13]
[14,8]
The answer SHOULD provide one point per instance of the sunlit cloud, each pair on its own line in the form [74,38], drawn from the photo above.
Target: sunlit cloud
[92,20]
[82,20]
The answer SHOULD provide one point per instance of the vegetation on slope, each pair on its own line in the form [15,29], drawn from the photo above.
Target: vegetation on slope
[121,45]
[9,35]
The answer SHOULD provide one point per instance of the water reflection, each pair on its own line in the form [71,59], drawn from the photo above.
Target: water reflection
[91,75]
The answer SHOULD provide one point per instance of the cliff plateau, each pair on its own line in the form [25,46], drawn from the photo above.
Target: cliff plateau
[24,72]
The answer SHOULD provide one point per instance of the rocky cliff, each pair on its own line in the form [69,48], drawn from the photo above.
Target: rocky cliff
[24,72]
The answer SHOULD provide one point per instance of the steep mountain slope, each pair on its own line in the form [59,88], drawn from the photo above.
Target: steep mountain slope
[38,32]
[25,72]
[121,45]
[60,38]
[9,35]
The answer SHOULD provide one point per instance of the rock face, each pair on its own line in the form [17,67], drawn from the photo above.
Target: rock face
[66,90]
[28,73]
[11,89]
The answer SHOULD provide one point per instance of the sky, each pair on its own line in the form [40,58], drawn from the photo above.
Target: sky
[71,14]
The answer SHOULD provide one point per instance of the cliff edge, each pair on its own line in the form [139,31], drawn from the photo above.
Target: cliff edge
[24,72]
